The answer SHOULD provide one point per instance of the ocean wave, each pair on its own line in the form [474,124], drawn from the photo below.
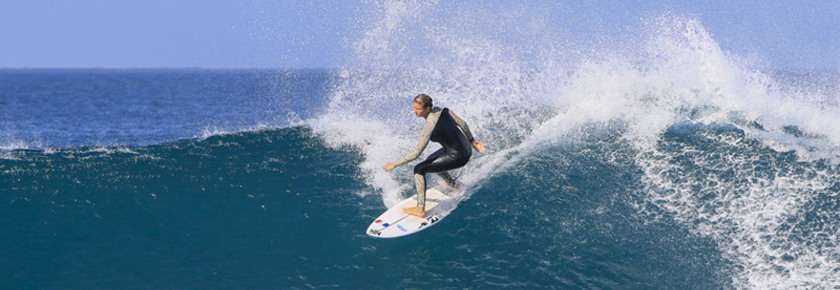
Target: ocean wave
[725,149]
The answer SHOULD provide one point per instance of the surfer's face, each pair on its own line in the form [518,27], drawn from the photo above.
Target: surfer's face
[420,111]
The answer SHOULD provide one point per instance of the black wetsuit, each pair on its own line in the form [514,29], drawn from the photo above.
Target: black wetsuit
[445,128]
[456,149]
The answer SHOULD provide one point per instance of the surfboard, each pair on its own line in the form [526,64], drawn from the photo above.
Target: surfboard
[395,223]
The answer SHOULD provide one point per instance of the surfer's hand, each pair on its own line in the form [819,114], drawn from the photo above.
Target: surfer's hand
[389,166]
[479,146]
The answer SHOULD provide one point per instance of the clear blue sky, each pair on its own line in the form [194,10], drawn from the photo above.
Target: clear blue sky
[299,34]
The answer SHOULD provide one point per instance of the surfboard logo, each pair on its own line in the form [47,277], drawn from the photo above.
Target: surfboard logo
[401,228]
[433,219]
[375,232]
[430,220]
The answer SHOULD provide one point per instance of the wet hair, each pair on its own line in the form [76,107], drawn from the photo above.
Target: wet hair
[424,100]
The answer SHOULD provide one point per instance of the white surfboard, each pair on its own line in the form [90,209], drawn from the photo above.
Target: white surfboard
[395,223]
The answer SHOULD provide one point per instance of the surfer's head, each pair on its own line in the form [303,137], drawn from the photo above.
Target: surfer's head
[422,105]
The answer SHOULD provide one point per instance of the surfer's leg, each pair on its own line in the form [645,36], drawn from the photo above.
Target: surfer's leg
[437,162]
[420,209]
[420,183]
[420,175]
[441,161]
[448,179]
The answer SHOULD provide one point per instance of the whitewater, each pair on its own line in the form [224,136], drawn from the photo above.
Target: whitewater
[654,159]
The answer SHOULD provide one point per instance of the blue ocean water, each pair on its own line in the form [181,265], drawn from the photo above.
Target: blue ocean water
[48,108]
[669,165]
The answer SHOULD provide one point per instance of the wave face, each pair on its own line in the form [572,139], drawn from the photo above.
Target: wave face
[239,210]
[647,159]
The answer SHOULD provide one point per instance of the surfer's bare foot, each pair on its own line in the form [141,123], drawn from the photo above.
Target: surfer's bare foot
[415,211]
[451,188]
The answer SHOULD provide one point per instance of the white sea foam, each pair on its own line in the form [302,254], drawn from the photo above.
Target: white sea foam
[213,131]
[749,209]
[9,145]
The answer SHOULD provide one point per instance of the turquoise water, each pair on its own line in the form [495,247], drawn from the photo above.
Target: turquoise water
[236,211]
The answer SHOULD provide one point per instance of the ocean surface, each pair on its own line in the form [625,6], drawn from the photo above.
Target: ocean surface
[659,163]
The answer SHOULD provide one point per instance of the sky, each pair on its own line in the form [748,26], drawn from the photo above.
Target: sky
[319,34]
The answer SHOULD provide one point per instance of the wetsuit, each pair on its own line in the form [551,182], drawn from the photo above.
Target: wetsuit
[453,134]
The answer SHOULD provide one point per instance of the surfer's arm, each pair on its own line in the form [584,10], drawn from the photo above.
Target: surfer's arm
[425,136]
[463,125]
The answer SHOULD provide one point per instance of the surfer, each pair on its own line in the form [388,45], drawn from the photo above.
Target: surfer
[442,126]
